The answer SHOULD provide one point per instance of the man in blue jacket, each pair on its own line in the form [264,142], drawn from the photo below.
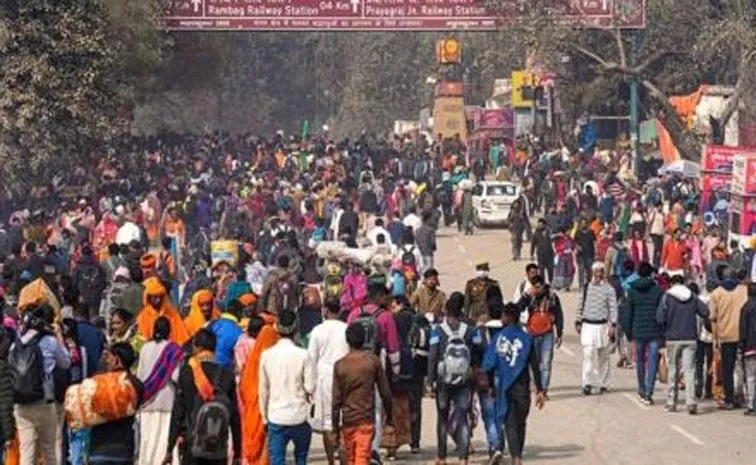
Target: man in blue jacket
[227,332]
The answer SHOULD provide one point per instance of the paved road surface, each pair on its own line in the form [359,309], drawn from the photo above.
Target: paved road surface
[613,429]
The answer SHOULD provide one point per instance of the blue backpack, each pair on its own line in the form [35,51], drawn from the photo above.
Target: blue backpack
[398,283]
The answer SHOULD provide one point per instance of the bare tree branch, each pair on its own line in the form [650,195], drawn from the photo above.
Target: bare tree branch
[620,46]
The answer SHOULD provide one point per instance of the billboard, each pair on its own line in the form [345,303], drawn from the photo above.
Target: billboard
[449,117]
[386,15]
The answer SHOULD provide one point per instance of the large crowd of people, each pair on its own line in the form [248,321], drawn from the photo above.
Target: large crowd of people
[134,333]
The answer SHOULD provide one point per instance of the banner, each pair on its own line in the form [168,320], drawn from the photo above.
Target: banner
[449,117]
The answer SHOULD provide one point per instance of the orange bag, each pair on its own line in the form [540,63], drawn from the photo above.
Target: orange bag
[716,377]
[13,454]
[103,398]
[37,293]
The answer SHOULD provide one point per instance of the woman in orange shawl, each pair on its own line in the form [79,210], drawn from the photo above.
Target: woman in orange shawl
[157,304]
[202,311]
[254,443]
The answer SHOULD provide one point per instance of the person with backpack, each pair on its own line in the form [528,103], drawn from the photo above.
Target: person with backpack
[32,359]
[205,408]
[358,381]
[114,442]
[450,376]
[287,382]
[89,280]
[545,324]
[279,290]
[512,359]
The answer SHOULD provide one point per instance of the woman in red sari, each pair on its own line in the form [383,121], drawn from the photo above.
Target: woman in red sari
[104,235]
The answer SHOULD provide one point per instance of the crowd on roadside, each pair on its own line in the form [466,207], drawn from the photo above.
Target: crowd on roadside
[133,333]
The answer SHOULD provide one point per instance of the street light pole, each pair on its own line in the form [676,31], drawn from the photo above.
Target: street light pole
[634,102]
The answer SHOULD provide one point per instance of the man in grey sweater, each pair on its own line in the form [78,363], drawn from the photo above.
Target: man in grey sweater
[596,322]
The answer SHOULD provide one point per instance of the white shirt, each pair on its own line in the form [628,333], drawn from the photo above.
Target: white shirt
[372,235]
[127,233]
[287,376]
[327,346]
[412,221]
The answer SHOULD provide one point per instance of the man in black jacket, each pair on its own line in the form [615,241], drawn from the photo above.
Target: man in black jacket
[543,247]
[7,422]
[188,400]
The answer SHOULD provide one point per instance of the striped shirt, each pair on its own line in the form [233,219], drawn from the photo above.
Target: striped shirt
[598,303]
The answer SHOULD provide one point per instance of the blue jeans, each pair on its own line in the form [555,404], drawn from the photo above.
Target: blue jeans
[544,347]
[646,372]
[279,437]
[488,413]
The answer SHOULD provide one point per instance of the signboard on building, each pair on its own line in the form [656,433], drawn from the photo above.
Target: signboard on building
[449,117]
[385,15]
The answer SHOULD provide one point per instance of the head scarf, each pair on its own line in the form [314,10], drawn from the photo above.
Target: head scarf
[253,426]
[196,320]
[146,319]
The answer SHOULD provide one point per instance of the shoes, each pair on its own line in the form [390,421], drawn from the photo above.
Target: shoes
[414,450]
[670,408]
[603,390]
[647,400]
[692,410]
[587,391]
[750,412]
[727,406]
[495,458]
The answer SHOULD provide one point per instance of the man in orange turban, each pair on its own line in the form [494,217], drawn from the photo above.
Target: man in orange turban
[157,304]
[202,311]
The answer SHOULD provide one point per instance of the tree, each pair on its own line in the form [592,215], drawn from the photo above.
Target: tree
[685,43]
[69,71]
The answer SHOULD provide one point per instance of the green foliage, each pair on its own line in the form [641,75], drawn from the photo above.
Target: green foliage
[69,70]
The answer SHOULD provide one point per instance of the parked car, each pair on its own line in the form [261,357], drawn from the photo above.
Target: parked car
[492,201]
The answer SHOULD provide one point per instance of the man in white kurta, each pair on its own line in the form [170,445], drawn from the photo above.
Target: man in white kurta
[326,346]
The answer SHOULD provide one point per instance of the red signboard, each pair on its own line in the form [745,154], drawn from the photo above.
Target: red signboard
[386,15]
[719,157]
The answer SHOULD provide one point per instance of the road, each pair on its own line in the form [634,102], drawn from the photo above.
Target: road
[611,429]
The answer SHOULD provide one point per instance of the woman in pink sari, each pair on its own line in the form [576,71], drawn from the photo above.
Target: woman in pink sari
[355,288]
[695,262]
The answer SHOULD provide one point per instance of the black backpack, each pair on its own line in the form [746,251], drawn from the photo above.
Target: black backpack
[369,321]
[209,432]
[27,371]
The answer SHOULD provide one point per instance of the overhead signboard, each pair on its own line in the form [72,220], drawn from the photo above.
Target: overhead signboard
[385,15]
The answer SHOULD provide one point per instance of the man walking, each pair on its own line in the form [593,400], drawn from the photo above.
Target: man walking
[450,376]
[542,247]
[327,345]
[287,381]
[428,300]
[545,324]
[356,377]
[725,304]
[425,238]
[596,323]
[678,315]
[641,327]
[748,345]
[206,394]
[585,241]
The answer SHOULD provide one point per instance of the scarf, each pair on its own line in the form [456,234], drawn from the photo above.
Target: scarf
[508,353]
[205,388]
[161,372]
